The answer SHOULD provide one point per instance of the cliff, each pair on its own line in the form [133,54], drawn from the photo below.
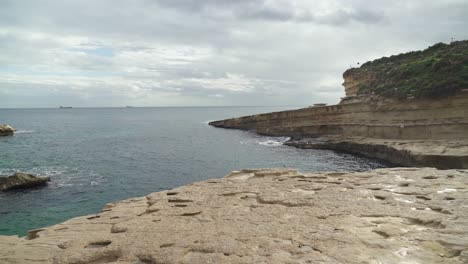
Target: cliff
[370,112]
[397,215]
[436,72]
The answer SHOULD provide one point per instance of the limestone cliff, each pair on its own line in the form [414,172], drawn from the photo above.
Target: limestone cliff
[354,79]
[401,215]
[436,72]
[433,112]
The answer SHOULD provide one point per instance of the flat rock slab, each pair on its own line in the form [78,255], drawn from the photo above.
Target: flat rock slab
[442,154]
[400,215]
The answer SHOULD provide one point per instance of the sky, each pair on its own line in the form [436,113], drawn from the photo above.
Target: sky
[110,53]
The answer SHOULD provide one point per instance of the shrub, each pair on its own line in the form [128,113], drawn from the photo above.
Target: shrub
[439,71]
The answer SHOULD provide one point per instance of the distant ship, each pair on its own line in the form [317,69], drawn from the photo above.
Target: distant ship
[128,106]
[65,107]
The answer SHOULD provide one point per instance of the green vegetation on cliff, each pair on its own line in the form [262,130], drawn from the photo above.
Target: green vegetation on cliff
[439,71]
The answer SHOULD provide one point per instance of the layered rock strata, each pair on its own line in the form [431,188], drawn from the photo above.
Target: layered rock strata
[442,154]
[401,215]
[443,119]
[384,120]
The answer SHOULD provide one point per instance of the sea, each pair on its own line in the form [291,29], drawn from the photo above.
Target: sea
[99,155]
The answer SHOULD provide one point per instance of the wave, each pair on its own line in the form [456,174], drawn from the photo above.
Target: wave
[267,141]
[274,142]
[24,131]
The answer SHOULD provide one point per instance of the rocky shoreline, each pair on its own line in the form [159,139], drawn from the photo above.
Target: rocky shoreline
[441,154]
[420,133]
[380,117]
[398,215]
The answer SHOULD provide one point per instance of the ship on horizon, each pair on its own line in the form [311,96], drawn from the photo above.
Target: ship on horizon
[65,107]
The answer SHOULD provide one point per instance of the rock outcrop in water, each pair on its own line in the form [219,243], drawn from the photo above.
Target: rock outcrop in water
[21,181]
[397,118]
[6,130]
[400,215]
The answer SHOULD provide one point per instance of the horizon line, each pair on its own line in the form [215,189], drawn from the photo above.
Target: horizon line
[201,106]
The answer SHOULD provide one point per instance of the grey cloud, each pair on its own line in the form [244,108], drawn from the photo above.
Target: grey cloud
[271,11]
[175,52]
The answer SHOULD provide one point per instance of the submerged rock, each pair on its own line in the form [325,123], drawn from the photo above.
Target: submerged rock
[399,215]
[21,180]
[6,130]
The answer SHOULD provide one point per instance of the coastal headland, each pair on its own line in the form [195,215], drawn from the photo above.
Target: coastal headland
[397,215]
[409,109]
[412,123]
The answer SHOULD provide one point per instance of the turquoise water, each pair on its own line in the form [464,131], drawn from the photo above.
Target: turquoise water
[96,156]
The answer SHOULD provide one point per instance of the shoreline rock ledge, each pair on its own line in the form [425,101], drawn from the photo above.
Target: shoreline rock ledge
[393,215]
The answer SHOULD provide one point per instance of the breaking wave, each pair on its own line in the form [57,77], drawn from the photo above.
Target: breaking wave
[267,141]
[24,131]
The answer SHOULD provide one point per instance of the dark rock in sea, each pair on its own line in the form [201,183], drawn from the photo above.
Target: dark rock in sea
[6,130]
[21,180]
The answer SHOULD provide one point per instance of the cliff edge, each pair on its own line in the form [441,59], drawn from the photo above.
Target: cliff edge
[400,215]
[436,72]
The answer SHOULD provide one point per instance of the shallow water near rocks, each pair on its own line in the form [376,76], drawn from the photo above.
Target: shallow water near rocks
[99,155]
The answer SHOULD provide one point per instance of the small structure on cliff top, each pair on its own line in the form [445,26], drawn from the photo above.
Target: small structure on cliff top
[318,105]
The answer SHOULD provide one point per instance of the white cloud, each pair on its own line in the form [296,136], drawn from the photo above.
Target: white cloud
[193,52]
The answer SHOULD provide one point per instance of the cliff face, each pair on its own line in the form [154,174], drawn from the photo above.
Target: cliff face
[415,97]
[436,72]
[270,216]
[354,79]
[421,132]
[410,119]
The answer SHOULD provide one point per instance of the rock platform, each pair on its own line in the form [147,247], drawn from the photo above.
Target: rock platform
[441,154]
[397,215]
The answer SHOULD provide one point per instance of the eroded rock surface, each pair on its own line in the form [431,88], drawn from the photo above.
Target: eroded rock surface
[21,180]
[401,215]
[442,154]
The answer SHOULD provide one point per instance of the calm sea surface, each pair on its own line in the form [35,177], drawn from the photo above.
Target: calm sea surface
[96,156]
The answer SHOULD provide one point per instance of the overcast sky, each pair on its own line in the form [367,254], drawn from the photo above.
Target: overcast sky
[205,52]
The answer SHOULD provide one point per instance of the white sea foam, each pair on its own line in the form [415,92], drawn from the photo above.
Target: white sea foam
[267,141]
[273,142]
[24,131]
[61,176]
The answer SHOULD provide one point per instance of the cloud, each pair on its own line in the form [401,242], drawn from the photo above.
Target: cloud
[210,52]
